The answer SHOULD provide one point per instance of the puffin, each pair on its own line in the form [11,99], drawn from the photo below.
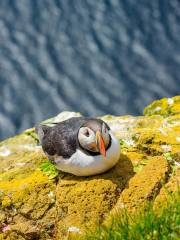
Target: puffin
[81,146]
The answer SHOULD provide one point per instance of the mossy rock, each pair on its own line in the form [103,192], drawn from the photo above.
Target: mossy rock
[38,202]
[164,107]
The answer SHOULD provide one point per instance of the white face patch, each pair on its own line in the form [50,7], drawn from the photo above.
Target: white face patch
[87,139]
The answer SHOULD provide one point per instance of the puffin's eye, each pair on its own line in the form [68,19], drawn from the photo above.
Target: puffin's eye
[86,133]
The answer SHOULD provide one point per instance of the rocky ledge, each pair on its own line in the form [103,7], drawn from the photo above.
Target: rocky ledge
[37,202]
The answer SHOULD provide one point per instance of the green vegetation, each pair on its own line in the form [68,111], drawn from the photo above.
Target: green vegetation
[140,165]
[171,160]
[49,169]
[169,157]
[147,224]
[31,132]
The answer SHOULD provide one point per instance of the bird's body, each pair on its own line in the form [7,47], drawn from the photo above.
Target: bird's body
[72,151]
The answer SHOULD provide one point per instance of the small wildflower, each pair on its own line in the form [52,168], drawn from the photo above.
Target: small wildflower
[166,148]
[157,109]
[129,142]
[121,205]
[177,164]
[5,228]
[170,101]
[51,194]
[14,209]
[73,229]
[5,152]
[162,131]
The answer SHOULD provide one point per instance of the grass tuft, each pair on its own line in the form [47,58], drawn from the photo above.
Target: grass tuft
[148,224]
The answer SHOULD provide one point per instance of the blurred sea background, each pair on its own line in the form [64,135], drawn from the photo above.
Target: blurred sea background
[92,56]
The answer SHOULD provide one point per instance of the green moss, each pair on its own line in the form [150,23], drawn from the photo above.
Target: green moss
[49,169]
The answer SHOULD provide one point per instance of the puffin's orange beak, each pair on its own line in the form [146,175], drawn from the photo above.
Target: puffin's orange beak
[100,143]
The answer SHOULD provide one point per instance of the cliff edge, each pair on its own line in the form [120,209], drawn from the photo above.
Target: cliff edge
[38,202]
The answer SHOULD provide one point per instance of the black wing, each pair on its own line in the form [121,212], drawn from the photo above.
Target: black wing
[60,139]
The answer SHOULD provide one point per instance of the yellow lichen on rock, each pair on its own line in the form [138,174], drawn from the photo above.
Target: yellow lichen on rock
[35,203]
[24,189]
[145,184]
[164,107]
[84,202]
[27,201]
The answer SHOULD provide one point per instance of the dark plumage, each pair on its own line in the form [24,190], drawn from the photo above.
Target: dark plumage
[61,139]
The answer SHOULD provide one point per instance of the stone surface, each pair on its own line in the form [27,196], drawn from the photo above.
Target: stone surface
[37,202]
[170,187]
[145,184]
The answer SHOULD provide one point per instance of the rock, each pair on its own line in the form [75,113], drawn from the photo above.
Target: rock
[85,202]
[61,117]
[145,184]
[38,202]
[164,107]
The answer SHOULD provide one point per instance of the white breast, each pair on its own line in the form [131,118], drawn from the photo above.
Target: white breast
[81,164]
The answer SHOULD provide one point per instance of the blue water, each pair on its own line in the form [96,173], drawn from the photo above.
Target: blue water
[92,56]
